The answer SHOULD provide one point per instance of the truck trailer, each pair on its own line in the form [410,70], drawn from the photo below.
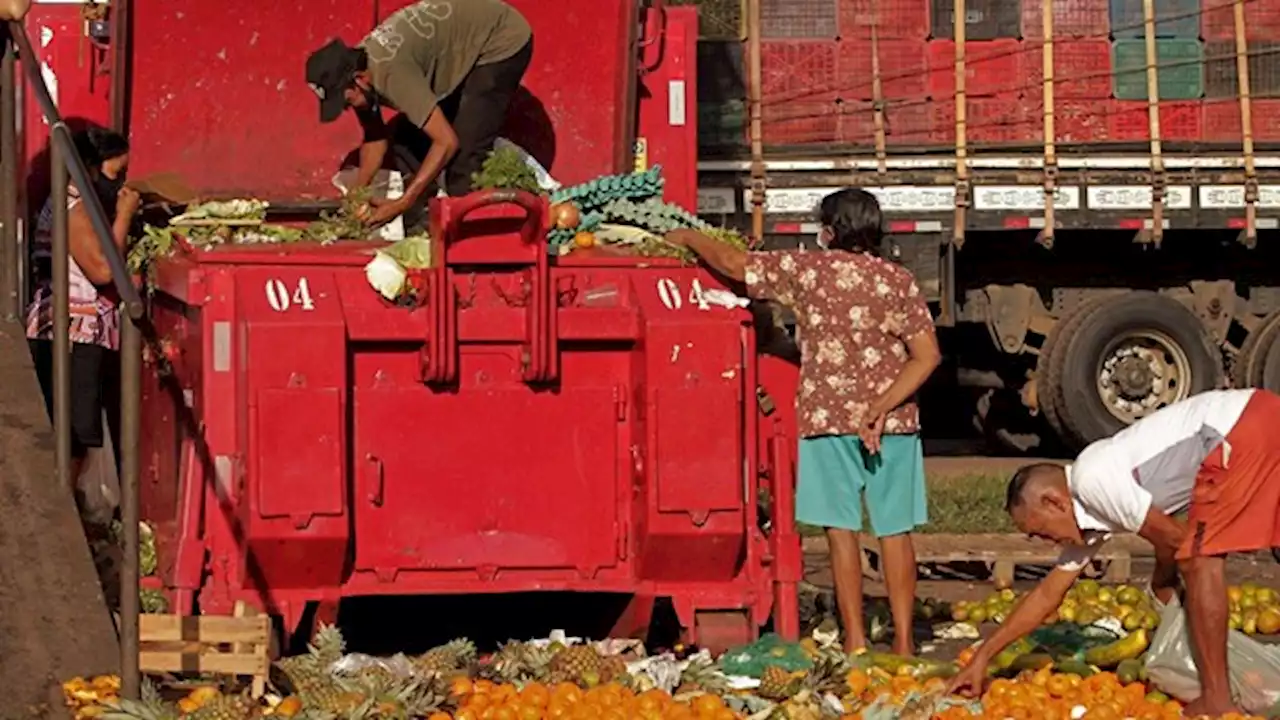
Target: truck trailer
[1088,189]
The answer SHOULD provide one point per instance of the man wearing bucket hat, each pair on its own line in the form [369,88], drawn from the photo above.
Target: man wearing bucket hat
[1213,454]
[450,67]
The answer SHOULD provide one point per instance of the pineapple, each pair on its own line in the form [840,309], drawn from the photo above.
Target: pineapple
[228,707]
[310,673]
[777,684]
[828,674]
[446,659]
[613,669]
[517,662]
[701,674]
[577,663]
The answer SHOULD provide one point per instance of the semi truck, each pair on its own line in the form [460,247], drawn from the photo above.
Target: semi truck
[1088,189]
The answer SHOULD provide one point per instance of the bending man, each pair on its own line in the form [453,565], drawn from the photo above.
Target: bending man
[451,68]
[1215,453]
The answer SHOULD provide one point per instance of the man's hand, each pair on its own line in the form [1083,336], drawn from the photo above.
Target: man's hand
[968,682]
[128,201]
[384,211]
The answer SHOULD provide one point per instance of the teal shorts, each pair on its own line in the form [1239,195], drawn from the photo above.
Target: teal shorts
[836,473]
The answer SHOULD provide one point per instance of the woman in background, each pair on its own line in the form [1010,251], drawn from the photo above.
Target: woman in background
[95,324]
[867,345]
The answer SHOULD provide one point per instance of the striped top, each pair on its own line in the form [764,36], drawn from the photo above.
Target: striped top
[95,318]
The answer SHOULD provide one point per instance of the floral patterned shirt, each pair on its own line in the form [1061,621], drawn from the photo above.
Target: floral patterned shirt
[855,314]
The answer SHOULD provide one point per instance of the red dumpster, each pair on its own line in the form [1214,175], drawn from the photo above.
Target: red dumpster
[526,423]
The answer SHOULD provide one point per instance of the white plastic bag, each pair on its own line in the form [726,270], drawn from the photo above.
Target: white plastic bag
[1254,668]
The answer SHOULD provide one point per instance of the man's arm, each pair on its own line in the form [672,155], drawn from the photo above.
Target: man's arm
[444,145]
[1027,615]
[1165,535]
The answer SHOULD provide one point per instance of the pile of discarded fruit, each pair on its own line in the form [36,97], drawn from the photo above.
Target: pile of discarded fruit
[563,678]
[1254,610]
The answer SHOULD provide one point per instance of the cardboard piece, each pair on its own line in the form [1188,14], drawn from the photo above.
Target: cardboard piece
[165,187]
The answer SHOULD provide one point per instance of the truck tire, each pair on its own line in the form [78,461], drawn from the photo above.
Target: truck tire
[1049,365]
[1249,367]
[1123,359]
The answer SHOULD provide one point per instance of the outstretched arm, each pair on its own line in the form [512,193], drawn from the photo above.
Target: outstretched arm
[373,146]
[1027,615]
[725,259]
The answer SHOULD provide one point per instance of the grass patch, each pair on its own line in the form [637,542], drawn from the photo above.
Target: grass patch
[961,504]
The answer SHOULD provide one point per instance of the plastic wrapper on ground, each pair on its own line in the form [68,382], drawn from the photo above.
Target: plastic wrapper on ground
[1254,668]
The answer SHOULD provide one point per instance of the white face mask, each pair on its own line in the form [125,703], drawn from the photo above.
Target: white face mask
[824,237]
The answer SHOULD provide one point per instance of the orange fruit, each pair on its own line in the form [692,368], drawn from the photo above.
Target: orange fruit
[858,681]
[528,712]
[440,716]
[536,694]
[461,686]
[466,714]
[482,686]
[1058,685]
[707,705]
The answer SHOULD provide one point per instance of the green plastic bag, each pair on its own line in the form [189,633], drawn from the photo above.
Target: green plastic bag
[751,660]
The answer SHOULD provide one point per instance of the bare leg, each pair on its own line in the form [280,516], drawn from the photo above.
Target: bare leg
[846,569]
[899,556]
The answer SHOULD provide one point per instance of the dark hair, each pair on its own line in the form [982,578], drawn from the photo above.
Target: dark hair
[853,214]
[97,145]
[1014,494]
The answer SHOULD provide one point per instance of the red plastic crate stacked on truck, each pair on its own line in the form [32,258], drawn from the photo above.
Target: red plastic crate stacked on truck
[817,58]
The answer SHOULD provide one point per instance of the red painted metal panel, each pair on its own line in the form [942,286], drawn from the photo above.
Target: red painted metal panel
[668,103]
[230,112]
[1129,120]
[1071,19]
[74,68]
[992,67]
[892,19]
[904,67]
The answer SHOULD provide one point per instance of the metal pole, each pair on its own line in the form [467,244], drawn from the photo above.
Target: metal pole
[121,39]
[10,280]
[61,257]
[130,398]
[755,93]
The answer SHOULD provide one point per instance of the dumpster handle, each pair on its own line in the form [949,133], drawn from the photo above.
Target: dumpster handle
[539,367]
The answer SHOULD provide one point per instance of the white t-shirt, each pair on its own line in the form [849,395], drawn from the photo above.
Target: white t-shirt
[1154,462]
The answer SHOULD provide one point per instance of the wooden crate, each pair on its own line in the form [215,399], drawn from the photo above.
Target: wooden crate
[1001,553]
[218,644]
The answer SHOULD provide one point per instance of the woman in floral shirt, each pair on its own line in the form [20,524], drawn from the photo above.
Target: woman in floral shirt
[867,345]
[95,324]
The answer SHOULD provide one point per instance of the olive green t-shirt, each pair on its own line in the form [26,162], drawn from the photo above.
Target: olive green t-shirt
[423,52]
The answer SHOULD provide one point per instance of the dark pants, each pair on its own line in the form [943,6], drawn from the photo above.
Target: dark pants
[477,110]
[95,386]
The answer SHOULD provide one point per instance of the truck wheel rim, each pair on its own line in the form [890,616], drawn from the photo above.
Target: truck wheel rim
[1141,372]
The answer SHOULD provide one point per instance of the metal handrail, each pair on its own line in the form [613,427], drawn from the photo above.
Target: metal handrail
[67,165]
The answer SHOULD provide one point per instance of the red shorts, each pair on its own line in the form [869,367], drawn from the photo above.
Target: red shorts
[1235,505]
